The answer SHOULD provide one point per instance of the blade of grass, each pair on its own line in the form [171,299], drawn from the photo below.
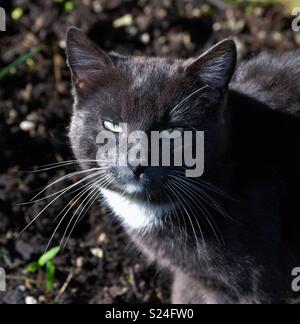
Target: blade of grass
[50,276]
[20,60]
[32,268]
[48,256]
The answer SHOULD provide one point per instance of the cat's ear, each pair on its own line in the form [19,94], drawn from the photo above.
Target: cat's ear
[85,59]
[216,66]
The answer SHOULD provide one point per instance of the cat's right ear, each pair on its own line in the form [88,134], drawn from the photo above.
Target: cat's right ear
[85,59]
[215,67]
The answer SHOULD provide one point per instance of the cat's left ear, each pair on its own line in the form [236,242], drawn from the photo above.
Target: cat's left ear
[216,66]
[85,59]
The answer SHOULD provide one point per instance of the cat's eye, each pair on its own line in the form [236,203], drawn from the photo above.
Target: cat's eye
[113,127]
[171,133]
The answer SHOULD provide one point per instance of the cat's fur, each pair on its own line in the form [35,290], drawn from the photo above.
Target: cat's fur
[221,250]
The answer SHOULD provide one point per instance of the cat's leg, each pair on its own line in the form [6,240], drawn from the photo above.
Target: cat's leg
[189,291]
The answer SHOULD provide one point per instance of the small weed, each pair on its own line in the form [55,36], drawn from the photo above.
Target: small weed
[20,61]
[45,265]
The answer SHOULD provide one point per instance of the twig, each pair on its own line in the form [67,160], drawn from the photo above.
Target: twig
[57,60]
[64,286]
[133,282]
[20,278]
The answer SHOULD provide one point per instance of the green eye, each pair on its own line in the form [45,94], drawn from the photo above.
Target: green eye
[113,127]
[171,133]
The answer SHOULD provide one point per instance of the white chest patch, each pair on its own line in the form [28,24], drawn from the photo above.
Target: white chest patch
[136,215]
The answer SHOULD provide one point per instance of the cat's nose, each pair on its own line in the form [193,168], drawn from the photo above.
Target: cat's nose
[139,171]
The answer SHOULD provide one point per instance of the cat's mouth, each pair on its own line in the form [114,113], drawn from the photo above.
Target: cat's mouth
[140,194]
[135,213]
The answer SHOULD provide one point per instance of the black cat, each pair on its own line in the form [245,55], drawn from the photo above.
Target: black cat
[220,249]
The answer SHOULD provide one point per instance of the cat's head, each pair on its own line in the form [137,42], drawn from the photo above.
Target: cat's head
[147,94]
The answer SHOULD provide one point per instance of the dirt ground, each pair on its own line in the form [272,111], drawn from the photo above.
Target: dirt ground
[98,265]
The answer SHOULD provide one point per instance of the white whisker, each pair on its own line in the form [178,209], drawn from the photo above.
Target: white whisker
[190,220]
[93,195]
[201,207]
[56,198]
[73,201]
[188,97]
[62,179]
[55,165]
[170,187]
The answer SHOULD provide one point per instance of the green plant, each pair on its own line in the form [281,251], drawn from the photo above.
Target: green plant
[69,5]
[45,264]
[17,14]
[20,60]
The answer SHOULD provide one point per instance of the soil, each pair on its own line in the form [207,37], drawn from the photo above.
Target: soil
[99,264]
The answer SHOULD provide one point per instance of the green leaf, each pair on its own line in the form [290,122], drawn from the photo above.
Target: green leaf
[32,267]
[50,276]
[17,14]
[48,256]
[69,6]
[21,60]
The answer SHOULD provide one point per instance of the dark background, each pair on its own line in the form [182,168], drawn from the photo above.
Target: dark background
[99,265]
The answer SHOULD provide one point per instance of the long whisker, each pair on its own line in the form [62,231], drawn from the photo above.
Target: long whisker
[175,210]
[93,196]
[188,97]
[62,179]
[55,165]
[209,199]
[190,220]
[74,201]
[81,189]
[170,187]
[206,185]
[56,198]
[51,195]
[80,206]
[169,217]
[202,208]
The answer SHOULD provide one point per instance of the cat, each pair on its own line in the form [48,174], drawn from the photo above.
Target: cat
[230,236]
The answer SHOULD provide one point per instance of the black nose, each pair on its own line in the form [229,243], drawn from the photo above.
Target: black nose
[138,171]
